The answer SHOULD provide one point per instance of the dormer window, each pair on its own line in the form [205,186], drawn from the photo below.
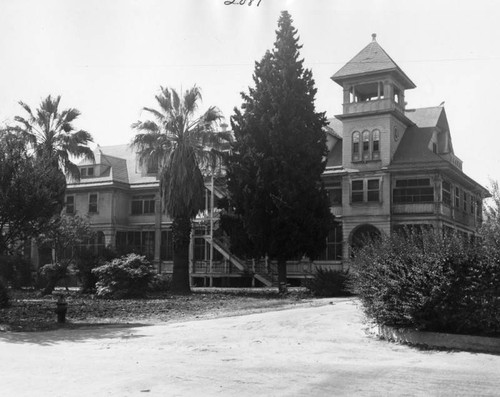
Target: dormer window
[86,172]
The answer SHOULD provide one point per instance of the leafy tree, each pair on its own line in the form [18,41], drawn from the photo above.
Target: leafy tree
[31,192]
[181,145]
[63,235]
[274,172]
[492,208]
[51,134]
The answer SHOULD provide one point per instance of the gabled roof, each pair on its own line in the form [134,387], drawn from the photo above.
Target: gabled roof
[370,60]
[336,127]
[334,157]
[426,117]
[123,165]
[414,147]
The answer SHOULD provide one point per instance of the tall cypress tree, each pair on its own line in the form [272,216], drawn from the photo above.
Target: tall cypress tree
[274,171]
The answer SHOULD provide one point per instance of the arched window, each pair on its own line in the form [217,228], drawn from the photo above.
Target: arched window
[366,145]
[375,144]
[355,146]
[364,234]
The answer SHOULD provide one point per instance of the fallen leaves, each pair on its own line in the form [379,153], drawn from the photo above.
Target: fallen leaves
[29,312]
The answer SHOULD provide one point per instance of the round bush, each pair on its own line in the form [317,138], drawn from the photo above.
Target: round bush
[429,281]
[328,283]
[125,277]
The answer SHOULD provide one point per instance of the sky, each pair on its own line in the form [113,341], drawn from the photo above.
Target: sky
[108,58]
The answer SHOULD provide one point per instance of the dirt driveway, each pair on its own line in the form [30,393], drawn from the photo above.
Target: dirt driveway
[318,350]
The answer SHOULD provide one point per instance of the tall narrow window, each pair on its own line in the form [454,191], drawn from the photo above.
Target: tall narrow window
[92,203]
[167,247]
[446,192]
[373,190]
[457,197]
[366,145]
[376,144]
[465,201]
[357,191]
[70,204]
[355,146]
[333,250]
[479,208]
[335,193]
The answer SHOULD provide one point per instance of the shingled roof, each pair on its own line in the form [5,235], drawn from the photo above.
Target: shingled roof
[123,167]
[414,146]
[371,59]
[425,117]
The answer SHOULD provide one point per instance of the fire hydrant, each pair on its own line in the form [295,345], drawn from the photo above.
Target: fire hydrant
[61,309]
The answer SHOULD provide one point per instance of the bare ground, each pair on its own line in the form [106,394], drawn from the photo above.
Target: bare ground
[313,348]
[31,312]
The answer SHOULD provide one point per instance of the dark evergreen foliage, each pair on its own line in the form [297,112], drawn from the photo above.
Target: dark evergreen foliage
[274,171]
[329,283]
[4,295]
[31,192]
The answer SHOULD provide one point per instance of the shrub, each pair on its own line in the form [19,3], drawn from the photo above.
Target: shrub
[429,281]
[86,261]
[125,277]
[51,274]
[160,283]
[15,270]
[328,283]
[4,295]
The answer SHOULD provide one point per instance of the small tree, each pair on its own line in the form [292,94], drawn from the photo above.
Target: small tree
[31,192]
[274,172]
[50,134]
[63,236]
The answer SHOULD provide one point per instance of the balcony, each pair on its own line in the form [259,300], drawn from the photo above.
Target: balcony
[414,208]
[371,106]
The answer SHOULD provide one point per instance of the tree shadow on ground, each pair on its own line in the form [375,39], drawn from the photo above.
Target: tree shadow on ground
[75,332]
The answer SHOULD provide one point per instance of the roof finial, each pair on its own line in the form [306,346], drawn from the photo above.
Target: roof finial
[374,36]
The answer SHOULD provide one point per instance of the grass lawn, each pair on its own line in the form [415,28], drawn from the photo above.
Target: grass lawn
[30,312]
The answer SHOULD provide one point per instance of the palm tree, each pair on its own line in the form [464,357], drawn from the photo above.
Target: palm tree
[50,134]
[181,145]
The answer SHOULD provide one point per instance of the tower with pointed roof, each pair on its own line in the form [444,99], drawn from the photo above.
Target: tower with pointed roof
[373,107]
[390,166]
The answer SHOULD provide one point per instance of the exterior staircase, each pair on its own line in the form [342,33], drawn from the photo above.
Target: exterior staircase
[221,244]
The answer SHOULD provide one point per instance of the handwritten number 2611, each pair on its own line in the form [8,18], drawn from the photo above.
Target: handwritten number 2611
[241,2]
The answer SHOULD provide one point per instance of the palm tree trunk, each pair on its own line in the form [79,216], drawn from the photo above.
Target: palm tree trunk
[282,276]
[181,235]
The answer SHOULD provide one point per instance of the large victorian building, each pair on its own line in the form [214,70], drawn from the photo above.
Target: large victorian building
[388,167]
